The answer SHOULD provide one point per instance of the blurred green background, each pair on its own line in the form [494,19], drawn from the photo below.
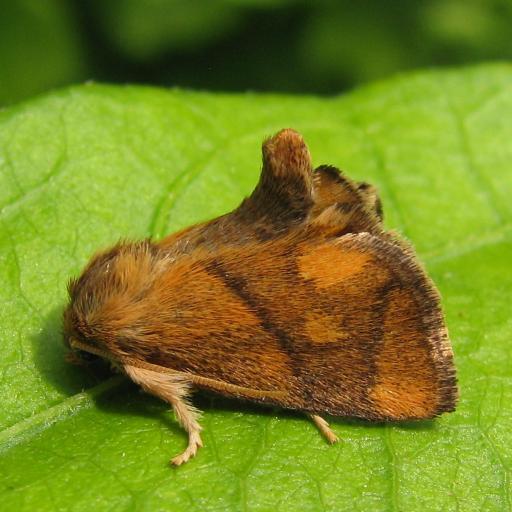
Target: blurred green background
[263,45]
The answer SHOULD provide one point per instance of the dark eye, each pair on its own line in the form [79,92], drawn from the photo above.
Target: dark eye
[80,357]
[86,356]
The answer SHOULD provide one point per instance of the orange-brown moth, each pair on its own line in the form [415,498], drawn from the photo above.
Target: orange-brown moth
[298,298]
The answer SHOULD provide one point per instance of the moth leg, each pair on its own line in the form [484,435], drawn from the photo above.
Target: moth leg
[174,389]
[187,417]
[324,428]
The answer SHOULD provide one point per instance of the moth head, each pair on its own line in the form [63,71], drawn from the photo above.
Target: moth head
[83,349]
[105,298]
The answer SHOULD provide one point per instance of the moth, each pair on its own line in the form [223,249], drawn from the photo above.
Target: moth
[298,298]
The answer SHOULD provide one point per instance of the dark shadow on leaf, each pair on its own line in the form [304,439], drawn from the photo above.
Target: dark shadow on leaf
[49,357]
[128,399]
[205,401]
[420,425]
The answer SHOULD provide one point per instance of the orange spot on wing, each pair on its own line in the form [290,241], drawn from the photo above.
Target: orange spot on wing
[323,328]
[403,398]
[329,264]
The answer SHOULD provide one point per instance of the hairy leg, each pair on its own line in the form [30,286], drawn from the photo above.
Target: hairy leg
[174,389]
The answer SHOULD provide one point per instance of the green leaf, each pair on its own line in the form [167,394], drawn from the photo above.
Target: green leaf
[83,167]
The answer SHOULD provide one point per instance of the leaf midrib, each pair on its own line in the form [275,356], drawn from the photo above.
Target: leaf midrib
[38,422]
